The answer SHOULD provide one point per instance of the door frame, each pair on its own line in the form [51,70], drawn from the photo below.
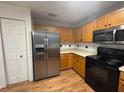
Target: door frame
[27,62]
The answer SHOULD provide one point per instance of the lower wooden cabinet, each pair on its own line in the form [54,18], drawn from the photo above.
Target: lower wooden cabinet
[74,61]
[66,61]
[121,82]
[79,64]
[82,66]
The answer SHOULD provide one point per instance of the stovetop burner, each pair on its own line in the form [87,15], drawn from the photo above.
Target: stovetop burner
[113,62]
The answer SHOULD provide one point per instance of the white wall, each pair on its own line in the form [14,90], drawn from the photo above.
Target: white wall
[15,12]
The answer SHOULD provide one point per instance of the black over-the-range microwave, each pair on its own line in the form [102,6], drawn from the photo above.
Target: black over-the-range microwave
[109,35]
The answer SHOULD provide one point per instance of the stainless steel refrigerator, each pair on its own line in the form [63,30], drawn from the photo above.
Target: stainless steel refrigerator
[46,54]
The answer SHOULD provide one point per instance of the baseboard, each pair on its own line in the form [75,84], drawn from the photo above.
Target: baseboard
[3,86]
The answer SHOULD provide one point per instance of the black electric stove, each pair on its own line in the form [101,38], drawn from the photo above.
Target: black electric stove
[102,70]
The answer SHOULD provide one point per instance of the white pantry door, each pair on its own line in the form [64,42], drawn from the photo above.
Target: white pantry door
[14,43]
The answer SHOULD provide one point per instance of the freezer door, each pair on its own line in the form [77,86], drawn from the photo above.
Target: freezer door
[53,54]
[39,62]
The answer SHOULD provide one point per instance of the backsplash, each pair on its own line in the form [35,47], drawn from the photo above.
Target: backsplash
[88,46]
[67,46]
[80,46]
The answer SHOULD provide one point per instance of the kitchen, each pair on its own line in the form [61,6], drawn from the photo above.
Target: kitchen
[98,32]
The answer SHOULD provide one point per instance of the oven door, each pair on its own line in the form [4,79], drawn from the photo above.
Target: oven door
[101,77]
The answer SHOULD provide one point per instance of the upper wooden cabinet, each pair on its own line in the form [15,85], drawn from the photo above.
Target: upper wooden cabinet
[66,34]
[87,32]
[70,35]
[77,34]
[112,19]
[63,34]
[44,27]
[101,22]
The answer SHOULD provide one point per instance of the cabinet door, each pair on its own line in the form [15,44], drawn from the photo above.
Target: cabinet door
[78,64]
[121,17]
[87,32]
[78,34]
[74,65]
[82,68]
[70,35]
[70,60]
[63,34]
[113,19]
[64,62]
[101,22]
[75,34]
[121,86]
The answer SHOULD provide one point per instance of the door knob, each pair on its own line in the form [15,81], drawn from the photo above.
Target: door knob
[21,56]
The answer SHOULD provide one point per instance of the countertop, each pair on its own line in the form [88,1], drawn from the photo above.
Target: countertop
[84,54]
[78,52]
[121,68]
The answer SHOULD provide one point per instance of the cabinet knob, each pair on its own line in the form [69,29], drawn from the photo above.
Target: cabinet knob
[109,24]
[105,25]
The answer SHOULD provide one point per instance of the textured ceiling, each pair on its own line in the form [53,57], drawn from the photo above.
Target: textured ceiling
[69,13]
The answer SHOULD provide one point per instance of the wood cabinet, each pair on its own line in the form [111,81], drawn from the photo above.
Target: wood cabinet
[66,61]
[77,34]
[87,32]
[70,35]
[112,19]
[71,55]
[78,64]
[121,82]
[44,27]
[63,34]
[101,22]
[66,34]
[82,66]
[75,63]
[70,60]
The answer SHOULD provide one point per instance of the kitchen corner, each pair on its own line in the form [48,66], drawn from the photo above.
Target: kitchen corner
[82,53]
[82,49]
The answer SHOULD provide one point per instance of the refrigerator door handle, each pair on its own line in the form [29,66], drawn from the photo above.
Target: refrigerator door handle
[47,48]
[45,44]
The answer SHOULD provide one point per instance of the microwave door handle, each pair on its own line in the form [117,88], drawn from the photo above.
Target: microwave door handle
[114,34]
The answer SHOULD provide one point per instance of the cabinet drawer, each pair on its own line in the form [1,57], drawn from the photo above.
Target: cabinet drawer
[64,55]
[122,75]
